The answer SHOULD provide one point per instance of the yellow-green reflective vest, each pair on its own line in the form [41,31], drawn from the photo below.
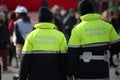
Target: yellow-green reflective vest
[92,30]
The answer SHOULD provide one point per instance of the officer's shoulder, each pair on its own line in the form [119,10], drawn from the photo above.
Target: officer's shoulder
[106,22]
[76,26]
[32,32]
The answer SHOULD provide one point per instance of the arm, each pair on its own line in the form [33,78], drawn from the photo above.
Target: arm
[63,54]
[115,42]
[18,35]
[73,53]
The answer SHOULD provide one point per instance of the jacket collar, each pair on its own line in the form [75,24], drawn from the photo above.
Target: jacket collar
[45,25]
[89,17]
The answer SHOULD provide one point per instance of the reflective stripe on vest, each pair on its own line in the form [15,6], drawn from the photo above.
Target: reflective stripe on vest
[115,41]
[89,45]
[95,45]
[44,52]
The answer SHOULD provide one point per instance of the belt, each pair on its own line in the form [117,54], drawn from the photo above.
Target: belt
[94,57]
[94,79]
[87,57]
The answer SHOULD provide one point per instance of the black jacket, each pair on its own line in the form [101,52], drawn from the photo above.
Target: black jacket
[4,36]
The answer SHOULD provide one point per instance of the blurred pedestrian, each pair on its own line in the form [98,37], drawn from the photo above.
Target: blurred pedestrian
[57,17]
[17,15]
[44,51]
[22,27]
[116,21]
[69,22]
[90,43]
[4,42]
[107,17]
[11,29]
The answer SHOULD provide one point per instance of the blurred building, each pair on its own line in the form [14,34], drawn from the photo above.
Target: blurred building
[34,5]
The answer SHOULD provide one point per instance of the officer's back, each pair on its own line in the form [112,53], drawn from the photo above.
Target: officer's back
[43,51]
[89,45]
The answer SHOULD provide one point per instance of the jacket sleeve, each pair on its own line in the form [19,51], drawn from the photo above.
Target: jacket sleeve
[115,42]
[63,53]
[26,58]
[19,40]
[73,53]
[72,60]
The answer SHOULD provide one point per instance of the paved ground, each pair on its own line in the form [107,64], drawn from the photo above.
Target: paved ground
[9,75]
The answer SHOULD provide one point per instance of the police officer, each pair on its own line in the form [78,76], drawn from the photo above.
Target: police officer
[89,45]
[44,51]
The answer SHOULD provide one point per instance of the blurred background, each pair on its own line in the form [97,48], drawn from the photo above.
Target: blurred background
[34,5]
[66,16]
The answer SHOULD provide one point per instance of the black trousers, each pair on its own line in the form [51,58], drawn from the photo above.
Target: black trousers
[12,53]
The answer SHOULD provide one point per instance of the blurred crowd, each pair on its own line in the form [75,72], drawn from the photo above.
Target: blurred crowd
[13,29]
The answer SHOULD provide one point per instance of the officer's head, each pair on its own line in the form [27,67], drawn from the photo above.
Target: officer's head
[45,15]
[85,7]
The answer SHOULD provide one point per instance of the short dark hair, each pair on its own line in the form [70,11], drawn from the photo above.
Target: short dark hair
[45,15]
[85,6]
